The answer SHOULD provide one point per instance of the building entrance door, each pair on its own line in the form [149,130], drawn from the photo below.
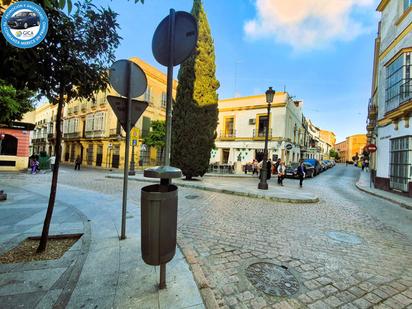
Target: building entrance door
[90,154]
[116,156]
[99,155]
[259,154]
[225,156]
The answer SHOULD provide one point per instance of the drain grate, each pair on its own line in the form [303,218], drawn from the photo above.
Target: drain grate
[191,197]
[344,237]
[272,279]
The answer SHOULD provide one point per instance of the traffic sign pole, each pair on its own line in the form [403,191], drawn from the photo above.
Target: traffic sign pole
[169,95]
[126,158]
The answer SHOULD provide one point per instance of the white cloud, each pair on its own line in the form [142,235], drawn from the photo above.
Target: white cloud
[307,24]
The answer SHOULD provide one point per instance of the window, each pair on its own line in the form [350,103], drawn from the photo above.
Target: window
[89,122]
[148,95]
[262,125]
[406,4]
[401,163]
[99,121]
[229,127]
[146,126]
[164,98]
[398,82]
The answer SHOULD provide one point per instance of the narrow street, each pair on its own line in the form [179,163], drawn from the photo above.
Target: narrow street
[350,249]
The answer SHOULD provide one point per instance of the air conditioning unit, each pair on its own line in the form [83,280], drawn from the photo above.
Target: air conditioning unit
[252,121]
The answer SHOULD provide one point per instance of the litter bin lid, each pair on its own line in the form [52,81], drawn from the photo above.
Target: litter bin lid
[162,172]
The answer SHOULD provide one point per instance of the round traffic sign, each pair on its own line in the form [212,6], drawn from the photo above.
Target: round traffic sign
[185,38]
[119,78]
[371,147]
[288,146]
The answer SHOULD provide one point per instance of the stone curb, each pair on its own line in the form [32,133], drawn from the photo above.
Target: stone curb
[209,299]
[226,191]
[403,205]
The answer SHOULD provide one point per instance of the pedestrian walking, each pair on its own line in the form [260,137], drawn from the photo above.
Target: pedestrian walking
[276,169]
[52,161]
[34,165]
[255,167]
[77,163]
[301,173]
[281,172]
[367,165]
[363,165]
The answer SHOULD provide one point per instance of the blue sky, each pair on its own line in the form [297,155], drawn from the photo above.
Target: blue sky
[320,50]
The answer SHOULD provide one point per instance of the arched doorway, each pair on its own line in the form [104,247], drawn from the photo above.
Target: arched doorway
[9,145]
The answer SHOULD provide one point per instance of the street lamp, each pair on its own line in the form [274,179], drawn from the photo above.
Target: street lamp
[270,93]
[2,136]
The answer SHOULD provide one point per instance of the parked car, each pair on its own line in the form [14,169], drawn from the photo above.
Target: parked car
[292,170]
[327,164]
[24,20]
[315,163]
[323,165]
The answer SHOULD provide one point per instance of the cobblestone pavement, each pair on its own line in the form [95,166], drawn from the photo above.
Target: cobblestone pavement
[370,265]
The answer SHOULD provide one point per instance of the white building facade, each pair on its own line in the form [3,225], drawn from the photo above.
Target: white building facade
[242,126]
[392,96]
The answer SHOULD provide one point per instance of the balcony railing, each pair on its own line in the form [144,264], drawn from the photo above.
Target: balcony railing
[95,133]
[372,111]
[72,135]
[38,140]
[227,134]
[261,134]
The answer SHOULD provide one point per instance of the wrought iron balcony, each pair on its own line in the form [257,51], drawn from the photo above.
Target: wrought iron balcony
[72,135]
[94,133]
[261,134]
[227,134]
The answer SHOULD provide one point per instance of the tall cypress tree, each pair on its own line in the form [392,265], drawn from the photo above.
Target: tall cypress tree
[195,113]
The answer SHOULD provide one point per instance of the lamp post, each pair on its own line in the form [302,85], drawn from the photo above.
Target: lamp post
[270,93]
[2,136]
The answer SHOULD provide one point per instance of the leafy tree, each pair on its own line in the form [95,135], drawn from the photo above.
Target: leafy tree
[157,136]
[14,103]
[71,63]
[333,153]
[195,113]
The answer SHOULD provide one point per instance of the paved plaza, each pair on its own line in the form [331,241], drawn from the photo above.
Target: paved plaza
[349,250]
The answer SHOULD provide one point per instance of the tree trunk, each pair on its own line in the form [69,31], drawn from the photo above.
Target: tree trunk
[53,189]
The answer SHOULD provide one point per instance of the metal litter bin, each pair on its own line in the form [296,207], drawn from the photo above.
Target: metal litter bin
[159,218]
[159,223]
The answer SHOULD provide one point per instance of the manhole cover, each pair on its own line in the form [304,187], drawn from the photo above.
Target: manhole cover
[344,237]
[272,279]
[191,197]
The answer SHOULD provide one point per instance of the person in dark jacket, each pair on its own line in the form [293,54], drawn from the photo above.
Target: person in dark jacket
[301,173]
[77,163]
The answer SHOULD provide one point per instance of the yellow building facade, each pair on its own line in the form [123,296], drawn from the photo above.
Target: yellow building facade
[42,138]
[352,146]
[92,132]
